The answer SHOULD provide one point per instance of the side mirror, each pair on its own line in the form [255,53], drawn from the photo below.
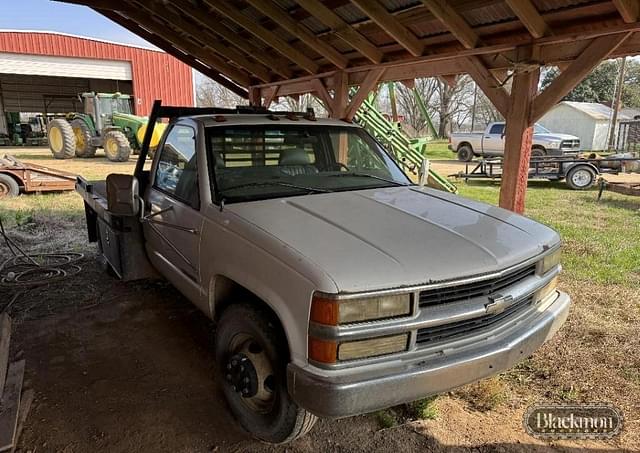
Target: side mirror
[122,195]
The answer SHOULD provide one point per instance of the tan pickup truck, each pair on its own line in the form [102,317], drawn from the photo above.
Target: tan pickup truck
[339,287]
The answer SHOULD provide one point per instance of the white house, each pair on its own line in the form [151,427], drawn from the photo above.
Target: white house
[590,121]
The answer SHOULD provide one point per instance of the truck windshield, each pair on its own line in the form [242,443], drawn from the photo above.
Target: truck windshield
[538,129]
[260,162]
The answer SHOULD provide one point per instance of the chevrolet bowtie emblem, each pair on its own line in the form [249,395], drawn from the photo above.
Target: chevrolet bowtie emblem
[498,303]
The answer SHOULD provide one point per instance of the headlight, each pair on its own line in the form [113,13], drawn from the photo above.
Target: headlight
[547,289]
[554,145]
[333,312]
[327,351]
[549,262]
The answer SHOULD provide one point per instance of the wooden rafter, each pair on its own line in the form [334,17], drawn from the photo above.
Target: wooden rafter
[268,100]
[209,23]
[342,29]
[367,85]
[629,9]
[210,41]
[453,21]
[268,37]
[530,17]
[489,85]
[321,92]
[283,19]
[185,58]
[595,52]
[387,21]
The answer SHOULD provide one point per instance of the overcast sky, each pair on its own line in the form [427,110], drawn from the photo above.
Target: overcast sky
[48,15]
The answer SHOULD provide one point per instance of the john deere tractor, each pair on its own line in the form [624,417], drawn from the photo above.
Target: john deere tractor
[107,122]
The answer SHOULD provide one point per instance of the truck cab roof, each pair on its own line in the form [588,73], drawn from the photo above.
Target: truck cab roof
[271,119]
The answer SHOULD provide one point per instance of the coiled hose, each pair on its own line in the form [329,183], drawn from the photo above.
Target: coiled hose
[29,270]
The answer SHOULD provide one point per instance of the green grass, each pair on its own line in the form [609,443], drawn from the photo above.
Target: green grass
[437,150]
[600,238]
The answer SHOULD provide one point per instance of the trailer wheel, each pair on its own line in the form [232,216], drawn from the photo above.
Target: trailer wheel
[8,187]
[465,153]
[116,146]
[83,136]
[62,141]
[251,367]
[580,177]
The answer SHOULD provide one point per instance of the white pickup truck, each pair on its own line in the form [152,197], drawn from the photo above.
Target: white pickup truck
[491,142]
[339,287]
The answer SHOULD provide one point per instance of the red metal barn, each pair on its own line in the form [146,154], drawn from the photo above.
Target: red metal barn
[44,71]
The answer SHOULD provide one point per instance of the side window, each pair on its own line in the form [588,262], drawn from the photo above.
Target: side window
[177,172]
[497,129]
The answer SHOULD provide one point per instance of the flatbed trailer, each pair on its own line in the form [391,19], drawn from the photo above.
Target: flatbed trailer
[17,176]
[625,188]
[579,173]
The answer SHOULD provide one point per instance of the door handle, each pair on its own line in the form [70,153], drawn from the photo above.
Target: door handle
[149,218]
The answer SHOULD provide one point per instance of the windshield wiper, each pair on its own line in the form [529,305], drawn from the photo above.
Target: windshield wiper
[367,175]
[277,183]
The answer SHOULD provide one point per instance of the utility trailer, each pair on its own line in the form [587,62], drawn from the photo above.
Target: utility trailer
[17,176]
[625,188]
[579,173]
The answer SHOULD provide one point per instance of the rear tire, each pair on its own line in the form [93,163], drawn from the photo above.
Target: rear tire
[250,340]
[62,142]
[465,153]
[580,177]
[116,146]
[8,186]
[83,137]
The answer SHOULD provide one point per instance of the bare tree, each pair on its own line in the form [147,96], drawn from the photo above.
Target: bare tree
[408,104]
[300,104]
[211,94]
[451,101]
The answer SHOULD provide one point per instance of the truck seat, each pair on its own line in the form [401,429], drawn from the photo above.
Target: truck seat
[294,162]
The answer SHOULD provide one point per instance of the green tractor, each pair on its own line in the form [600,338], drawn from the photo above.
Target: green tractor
[107,122]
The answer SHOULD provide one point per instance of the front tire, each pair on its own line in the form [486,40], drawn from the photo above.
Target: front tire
[251,359]
[538,153]
[83,136]
[116,146]
[62,142]
[8,187]
[465,153]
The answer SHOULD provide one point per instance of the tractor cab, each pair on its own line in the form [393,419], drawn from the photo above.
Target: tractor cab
[102,106]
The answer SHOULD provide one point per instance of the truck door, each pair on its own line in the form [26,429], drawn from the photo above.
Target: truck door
[493,140]
[172,213]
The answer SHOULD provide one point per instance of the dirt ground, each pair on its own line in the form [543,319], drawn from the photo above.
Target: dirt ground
[128,367]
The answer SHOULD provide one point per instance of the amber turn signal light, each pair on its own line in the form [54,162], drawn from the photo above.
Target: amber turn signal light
[323,351]
[324,311]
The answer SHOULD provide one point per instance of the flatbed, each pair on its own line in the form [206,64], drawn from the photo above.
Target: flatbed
[579,173]
[17,176]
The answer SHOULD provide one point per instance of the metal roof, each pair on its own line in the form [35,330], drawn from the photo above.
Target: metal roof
[270,41]
[596,110]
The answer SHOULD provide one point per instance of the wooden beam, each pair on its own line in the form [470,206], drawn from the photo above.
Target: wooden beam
[341,94]
[517,141]
[629,9]
[321,92]
[387,21]
[209,22]
[233,73]
[453,21]
[271,97]
[169,48]
[489,85]
[283,19]
[595,52]
[255,97]
[530,17]
[209,40]
[368,84]
[268,37]
[342,29]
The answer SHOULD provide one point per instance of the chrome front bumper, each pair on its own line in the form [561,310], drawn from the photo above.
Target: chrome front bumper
[353,393]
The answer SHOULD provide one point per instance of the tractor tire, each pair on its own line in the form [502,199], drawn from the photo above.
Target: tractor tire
[62,142]
[8,187]
[83,136]
[465,153]
[116,146]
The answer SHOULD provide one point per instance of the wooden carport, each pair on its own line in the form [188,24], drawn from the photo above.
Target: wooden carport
[263,49]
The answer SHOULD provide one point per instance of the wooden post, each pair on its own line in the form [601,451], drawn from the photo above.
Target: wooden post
[517,143]
[255,99]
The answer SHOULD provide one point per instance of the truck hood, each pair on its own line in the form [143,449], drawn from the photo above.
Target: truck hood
[554,137]
[394,237]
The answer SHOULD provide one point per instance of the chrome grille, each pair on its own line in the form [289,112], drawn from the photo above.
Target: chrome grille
[571,144]
[468,291]
[430,335]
